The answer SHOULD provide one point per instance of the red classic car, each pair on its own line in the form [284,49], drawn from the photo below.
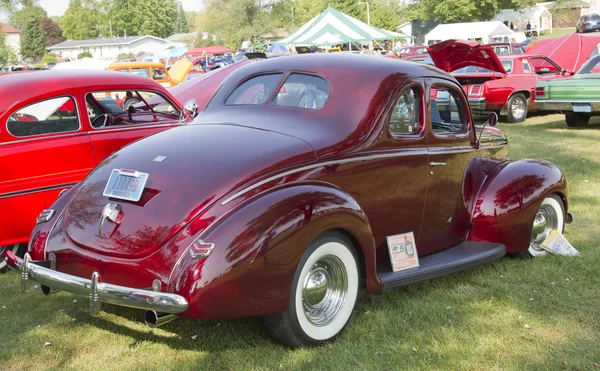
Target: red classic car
[502,84]
[295,187]
[417,52]
[55,126]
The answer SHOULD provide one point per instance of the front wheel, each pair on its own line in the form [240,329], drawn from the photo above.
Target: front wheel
[576,119]
[323,294]
[517,108]
[17,249]
[549,218]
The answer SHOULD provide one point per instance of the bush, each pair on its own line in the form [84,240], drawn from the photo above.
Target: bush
[125,56]
[84,54]
[49,58]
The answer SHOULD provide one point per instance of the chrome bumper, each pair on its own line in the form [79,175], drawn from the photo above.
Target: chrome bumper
[563,106]
[97,291]
[477,104]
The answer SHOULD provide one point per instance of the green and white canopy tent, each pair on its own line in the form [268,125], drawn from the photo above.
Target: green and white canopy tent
[332,27]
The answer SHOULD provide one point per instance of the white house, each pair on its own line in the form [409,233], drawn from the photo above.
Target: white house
[13,37]
[483,32]
[406,28]
[539,17]
[110,48]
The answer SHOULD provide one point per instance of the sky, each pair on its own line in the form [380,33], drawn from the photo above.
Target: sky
[58,7]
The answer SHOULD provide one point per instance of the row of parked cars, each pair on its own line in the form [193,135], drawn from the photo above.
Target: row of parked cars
[279,189]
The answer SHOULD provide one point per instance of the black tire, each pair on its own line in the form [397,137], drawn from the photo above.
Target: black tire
[553,204]
[576,120]
[516,108]
[17,249]
[295,327]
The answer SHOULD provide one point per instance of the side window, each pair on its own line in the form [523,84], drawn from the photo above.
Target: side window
[127,107]
[255,90]
[140,71]
[303,91]
[56,115]
[406,114]
[526,66]
[126,70]
[448,114]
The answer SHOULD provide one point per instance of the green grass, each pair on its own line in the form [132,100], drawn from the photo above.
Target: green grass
[557,32]
[472,320]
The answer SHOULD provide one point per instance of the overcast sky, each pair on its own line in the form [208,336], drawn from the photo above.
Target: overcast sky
[58,7]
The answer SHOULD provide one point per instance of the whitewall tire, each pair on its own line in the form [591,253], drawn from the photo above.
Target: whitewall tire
[323,294]
[549,217]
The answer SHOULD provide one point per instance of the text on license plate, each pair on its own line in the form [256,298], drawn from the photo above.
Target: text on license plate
[582,107]
[125,185]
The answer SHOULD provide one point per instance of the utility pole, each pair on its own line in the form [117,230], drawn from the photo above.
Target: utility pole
[368,13]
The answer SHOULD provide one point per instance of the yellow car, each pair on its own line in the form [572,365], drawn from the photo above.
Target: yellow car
[156,71]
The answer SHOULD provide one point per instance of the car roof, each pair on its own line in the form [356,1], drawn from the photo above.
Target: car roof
[20,86]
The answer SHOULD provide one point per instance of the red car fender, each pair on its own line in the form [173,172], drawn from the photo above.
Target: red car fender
[258,247]
[509,199]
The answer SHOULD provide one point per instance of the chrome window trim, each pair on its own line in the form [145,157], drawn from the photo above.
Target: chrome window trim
[343,161]
[46,135]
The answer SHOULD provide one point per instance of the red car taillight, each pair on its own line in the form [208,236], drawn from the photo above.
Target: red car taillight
[540,91]
[476,90]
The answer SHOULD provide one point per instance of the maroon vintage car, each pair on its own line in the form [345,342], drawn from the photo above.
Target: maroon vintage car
[415,52]
[503,84]
[294,188]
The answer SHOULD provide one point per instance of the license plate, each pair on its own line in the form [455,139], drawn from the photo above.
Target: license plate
[126,185]
[582,107]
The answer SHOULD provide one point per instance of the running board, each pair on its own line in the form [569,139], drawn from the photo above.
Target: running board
[460,257]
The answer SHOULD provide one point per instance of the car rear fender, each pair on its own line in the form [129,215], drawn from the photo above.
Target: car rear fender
[258,246]
[509,198]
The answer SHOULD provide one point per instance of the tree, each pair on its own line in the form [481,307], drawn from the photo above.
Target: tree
[84,55]
[145,17]
[7,54]
[125,56]
[305,10]
[191,21]
[33,42]
[20,17]
[52,32]
[80,20]
[181,21]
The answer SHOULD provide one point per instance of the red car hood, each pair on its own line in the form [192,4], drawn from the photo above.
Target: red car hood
[202,163]
[451,55]
[569,52]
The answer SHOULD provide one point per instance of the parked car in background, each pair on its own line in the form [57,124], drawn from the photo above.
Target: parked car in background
[529,42]
[588,23]
[291,193]
[55,126]
[413,52]
[501,84]
[578,96]
[507,48]
[156,71]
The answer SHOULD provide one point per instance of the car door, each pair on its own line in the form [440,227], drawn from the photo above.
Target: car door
[152,113]
[43,149]
[451,146]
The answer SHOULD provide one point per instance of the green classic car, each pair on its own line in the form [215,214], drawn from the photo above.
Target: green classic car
[577,96]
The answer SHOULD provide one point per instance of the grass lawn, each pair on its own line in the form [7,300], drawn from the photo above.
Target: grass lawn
[558,32]
[512,314]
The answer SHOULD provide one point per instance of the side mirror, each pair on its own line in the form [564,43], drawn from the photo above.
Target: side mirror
[493,119]
[192,107]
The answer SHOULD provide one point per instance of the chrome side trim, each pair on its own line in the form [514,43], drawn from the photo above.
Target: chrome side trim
[133,127]
[36,190]
[342,161]
[45,136]
[95,289]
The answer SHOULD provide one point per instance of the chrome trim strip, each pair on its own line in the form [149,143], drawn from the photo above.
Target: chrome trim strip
[36,190]
[338,162]
[98,291]
[133,127]
[45,136]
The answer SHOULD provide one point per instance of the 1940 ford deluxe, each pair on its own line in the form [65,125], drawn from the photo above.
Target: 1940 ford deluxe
[304,179]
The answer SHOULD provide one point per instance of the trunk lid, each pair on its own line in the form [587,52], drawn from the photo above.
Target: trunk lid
[452,55]
[198,168]
[584,86]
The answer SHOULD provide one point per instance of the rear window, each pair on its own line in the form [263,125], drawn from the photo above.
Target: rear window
[303,91]
[255,90]
[595,17]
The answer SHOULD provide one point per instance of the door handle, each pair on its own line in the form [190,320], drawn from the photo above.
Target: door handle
[433,163]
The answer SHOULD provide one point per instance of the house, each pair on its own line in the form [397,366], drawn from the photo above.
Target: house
[566,12]
[110,48]
[13,37]
[482,32]
[189,39]
[539,17]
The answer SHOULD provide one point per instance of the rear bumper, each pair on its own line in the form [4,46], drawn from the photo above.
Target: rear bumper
[97,291]
[477,104]
[563,105]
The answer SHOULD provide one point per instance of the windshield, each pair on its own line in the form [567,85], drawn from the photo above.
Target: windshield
[507,65]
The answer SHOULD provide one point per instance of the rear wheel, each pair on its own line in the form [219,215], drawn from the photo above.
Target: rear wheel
[576,119]
[517,108]
[17,249]
[323,295]
[549,218]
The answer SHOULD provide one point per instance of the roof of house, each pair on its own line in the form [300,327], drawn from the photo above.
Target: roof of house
[73,44]
[8,29]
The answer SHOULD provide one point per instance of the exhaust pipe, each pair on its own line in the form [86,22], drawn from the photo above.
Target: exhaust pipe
[48,291]
[154,319]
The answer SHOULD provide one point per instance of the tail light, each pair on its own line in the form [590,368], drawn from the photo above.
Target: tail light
[585,24]
[540,91]
[476,90]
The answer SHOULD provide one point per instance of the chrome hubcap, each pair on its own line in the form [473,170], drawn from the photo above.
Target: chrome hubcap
[544,223]
[518,108]
[324,290]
